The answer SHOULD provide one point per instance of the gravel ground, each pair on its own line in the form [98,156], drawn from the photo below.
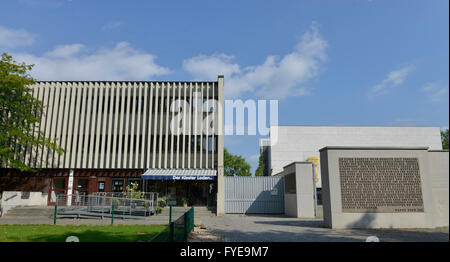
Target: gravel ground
[202,234]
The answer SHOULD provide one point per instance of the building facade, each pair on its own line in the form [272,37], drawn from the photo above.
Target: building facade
[302,143]
[167,137]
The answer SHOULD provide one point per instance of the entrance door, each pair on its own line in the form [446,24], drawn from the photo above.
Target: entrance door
[57,188]
[198,194]
[172,195]
[81,190]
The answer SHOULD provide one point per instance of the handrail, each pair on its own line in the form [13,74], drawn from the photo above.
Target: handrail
[102,204]
[142,195]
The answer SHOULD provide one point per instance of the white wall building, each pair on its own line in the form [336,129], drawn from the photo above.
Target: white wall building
[302,143]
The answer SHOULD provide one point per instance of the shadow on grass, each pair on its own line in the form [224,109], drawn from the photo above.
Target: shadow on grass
[164,236]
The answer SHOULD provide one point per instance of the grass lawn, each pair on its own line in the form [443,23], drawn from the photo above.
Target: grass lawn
[85,233]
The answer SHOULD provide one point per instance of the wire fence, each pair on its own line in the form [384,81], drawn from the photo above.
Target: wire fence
[100,206]
[178,230]
[105,205]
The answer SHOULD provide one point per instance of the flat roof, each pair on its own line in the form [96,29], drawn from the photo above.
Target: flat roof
[124,81]
[345,126]
[371,148]
[298,162]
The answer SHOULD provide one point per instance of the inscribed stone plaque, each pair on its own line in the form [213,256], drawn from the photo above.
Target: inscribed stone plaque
[380,185]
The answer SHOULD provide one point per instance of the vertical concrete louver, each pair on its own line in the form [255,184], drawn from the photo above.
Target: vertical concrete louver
[127,125]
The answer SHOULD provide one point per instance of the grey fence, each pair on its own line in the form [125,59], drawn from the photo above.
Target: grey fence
[254,195]
[100,206]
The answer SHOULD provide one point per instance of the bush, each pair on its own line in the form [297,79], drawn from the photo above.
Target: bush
[161,202]
[134,192]
[115,203]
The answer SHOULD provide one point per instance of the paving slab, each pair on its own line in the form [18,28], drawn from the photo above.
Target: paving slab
[279,228]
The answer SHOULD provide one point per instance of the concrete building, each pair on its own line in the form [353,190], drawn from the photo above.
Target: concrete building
[288,144]
[165,136]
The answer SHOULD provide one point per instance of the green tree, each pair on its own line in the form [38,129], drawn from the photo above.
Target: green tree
[20,113]
[260,170]
[134,191]
[235,165]
[444,137]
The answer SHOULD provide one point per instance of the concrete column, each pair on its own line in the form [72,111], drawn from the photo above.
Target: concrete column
[305,190]
[220,145]
[70,188]
[300,203]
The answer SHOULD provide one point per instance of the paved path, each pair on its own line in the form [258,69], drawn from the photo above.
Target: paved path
[264,228]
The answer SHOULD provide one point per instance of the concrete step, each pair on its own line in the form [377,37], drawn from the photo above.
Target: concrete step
[181,213]
[165,219]
[184,209]
[29,211]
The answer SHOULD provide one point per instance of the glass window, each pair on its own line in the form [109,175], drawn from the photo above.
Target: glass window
[118,185]
[134,181]
[101,186]
[59,183]
[82,184]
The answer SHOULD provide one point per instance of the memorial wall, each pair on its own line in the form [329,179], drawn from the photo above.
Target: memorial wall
[380,185]
[384,187]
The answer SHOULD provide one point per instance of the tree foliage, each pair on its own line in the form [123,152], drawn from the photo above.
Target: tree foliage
[235,165]
[20,115]
[260,170]
[444,137]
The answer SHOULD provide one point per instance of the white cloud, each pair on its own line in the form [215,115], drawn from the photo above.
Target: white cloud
[76,62]
[209,67]
[275,78]
[393,79]
[11,38]
[65,51]
[436,91]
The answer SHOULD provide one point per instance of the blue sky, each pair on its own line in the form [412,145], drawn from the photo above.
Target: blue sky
[328,62]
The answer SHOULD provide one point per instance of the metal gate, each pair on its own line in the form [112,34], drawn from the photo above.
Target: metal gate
[254,195]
